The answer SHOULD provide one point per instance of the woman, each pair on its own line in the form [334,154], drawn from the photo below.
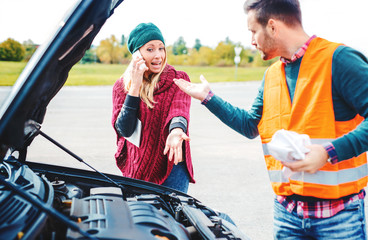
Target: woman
[146,95]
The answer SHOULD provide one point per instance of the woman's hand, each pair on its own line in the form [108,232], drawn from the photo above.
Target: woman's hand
[198,91]
[137,76]
[174,145]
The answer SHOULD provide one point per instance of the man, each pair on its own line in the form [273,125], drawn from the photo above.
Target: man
[318,88]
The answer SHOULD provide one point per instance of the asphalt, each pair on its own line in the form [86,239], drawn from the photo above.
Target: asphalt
[229,169]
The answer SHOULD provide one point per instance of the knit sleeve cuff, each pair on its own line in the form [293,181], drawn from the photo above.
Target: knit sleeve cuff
[178,122]
[132,101]
[330,149]
[208,98]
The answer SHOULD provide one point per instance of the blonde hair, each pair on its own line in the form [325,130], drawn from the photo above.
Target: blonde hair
[148,84]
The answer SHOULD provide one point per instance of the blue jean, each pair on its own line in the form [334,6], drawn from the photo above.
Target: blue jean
[178,178]
[347,224]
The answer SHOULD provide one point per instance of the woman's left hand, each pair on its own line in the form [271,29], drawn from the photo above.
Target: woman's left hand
[174,145]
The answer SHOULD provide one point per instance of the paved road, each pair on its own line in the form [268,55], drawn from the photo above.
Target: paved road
[229,168]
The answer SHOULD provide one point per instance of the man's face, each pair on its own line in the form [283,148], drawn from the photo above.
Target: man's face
[261,38]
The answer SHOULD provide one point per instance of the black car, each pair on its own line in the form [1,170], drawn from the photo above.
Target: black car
[42,201]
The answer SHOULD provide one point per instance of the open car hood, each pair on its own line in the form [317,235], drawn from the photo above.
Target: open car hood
[48,70]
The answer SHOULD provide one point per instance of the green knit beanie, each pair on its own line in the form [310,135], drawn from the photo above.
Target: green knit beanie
[142,34]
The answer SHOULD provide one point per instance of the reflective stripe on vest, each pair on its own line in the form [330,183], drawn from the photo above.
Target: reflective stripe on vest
[321,177]
[332,178]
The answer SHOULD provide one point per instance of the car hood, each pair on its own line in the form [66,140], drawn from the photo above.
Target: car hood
[48,69]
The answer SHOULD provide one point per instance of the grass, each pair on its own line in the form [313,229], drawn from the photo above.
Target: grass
[223,74]
[9,72]
[106,74]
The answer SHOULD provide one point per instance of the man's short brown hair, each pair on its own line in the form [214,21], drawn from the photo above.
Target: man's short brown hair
[287,11]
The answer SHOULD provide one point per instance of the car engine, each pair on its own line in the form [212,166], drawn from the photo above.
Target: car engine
[97,208]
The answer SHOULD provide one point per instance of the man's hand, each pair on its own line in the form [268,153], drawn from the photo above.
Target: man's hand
[198,91]
[174,145]
[314,160]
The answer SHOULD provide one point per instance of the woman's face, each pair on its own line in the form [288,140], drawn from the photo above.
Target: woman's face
[154,55]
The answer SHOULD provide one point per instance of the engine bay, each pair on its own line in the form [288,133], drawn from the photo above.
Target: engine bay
[94,206]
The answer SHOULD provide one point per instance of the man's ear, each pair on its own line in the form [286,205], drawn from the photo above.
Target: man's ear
[272,26]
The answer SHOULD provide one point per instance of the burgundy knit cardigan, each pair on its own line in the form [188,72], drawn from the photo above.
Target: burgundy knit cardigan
[148,162]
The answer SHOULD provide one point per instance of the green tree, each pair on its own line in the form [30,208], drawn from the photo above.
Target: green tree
[228,41]
[11,50]
[197,44]
[30,48]
[259,62]
[179,47]
[225,53]
[110,51]
[125,51]
[247,56]
[123,40]
[206,56]
[90,56]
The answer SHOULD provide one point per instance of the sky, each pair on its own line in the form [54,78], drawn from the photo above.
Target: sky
[211,21]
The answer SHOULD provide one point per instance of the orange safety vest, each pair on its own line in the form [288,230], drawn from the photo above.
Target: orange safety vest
[310,113]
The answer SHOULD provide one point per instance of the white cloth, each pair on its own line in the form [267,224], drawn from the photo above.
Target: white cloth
[288,146]
[136,136]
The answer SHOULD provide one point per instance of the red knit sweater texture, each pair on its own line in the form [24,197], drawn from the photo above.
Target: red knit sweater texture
[147,162]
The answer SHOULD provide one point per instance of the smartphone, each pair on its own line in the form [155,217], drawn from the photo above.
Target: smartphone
[138,54]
